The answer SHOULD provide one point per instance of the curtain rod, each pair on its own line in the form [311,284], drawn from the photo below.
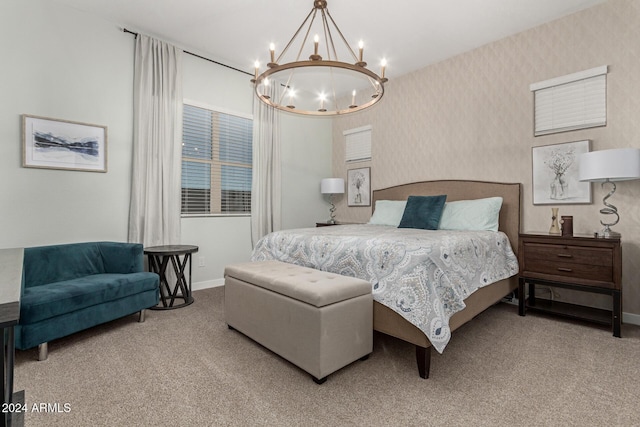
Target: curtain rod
[199,56]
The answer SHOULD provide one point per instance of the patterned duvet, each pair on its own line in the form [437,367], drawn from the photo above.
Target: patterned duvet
[423,275]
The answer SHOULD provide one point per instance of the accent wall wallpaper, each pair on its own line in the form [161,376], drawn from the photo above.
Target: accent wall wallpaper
[471,117]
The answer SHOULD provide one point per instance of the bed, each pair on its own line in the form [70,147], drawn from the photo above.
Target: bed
[397,311]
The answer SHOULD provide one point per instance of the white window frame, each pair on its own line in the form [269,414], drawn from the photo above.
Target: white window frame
[358,144]
[571,102]
[214,162]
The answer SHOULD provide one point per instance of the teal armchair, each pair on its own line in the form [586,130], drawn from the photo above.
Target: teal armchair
[71,287]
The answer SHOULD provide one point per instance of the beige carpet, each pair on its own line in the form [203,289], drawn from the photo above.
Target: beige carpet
[186,368]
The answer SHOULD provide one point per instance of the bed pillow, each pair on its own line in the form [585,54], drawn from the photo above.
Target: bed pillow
[476,215]
[388,212]
[423,212]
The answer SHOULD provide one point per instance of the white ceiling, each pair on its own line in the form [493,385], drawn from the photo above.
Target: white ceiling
[410,34]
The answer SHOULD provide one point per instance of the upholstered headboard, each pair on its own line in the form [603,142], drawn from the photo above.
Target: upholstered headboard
[465,190]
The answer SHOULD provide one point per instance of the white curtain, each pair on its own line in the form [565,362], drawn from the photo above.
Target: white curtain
[265,188]
[154,216]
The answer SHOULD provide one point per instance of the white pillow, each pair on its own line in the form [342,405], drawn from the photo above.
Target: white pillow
[476,215]
[388,212]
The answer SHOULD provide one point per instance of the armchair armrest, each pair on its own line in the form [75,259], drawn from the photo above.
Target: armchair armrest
[122,257]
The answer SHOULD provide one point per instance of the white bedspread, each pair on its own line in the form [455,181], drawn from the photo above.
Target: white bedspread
[423,275]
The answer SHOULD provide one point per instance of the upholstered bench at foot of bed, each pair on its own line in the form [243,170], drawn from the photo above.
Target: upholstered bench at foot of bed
[318,321]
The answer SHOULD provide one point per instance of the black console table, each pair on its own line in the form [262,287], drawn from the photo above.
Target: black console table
[159,259]
[10,286]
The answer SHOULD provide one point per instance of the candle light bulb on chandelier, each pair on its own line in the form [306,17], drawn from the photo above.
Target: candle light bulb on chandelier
[361,62]
[272,54]
[322,98]
[257,71]
[383,65]
[316,42]
[266,88]
[292,93]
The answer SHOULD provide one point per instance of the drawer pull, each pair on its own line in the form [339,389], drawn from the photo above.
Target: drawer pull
[568,270]
[565,255]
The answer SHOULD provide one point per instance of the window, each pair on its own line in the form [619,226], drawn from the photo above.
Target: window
[216,162]
[574,101]
[358,144]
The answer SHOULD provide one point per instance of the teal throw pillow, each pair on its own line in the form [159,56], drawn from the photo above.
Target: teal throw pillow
[423,212]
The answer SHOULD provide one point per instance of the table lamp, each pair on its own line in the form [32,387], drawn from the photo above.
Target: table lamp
[607,167]
[332,186]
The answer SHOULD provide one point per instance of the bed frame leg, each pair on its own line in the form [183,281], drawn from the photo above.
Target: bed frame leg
[423,357]
[319,381]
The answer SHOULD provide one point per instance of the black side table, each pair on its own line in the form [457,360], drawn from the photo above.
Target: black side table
[11,261]
[159,259]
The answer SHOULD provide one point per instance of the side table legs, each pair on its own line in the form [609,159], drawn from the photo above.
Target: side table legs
[521,296]
[616,315]
[180,286]
[159,264]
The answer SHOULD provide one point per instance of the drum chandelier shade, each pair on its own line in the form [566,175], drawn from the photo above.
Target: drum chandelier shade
[322,84]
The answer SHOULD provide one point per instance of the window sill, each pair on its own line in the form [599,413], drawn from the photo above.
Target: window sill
[203,215]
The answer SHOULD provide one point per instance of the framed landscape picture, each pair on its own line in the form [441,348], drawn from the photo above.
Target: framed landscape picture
[62,144]
[359,187]
[555,174]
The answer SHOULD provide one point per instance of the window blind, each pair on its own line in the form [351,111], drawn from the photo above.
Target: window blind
[216,162]
[358,144]
[571,102]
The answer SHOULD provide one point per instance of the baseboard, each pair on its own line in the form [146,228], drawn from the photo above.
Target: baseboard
[630,318]
[207,284]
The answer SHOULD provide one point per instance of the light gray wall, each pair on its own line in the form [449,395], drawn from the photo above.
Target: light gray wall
[65,64]
[305,161]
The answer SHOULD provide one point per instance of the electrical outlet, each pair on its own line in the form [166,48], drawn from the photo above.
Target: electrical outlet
[201,261]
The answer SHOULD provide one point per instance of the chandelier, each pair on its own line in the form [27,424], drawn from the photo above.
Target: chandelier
[321,85]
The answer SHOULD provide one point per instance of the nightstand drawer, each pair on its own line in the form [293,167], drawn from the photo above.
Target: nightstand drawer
[567,254]
[590,272]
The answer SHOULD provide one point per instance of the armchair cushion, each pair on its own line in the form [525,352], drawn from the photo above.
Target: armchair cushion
[55,299]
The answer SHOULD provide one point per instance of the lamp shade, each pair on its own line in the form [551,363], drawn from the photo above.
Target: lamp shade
[332,186]
[620,164]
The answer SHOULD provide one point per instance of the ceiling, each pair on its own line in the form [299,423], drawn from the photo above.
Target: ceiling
[410,34]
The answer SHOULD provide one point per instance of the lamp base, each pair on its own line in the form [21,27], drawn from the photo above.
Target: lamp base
[609,209]
[607,233]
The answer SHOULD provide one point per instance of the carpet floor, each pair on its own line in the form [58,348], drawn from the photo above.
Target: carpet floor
[184,367]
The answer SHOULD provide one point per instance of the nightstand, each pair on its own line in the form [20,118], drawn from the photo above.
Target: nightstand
[583,263]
